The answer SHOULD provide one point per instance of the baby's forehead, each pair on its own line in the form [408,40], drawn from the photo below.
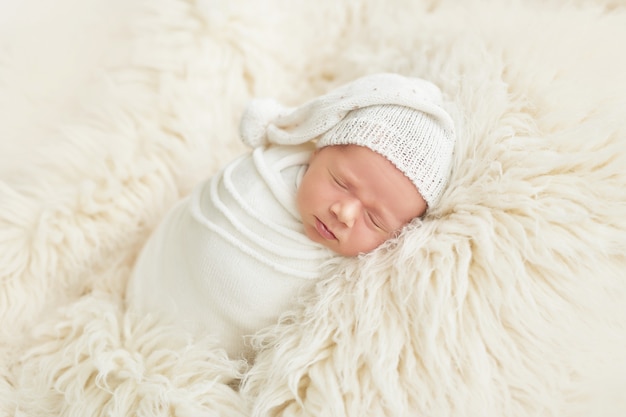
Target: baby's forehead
[369,169]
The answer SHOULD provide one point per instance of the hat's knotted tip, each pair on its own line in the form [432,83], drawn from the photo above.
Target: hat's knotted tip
[256,118]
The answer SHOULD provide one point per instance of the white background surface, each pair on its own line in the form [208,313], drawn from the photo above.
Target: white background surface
[48,52]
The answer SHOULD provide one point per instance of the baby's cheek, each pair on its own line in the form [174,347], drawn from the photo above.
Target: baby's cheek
[369,240]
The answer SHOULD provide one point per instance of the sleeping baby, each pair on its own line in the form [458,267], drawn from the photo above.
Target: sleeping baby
[337,176]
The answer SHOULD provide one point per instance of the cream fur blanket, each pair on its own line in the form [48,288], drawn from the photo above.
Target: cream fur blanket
[508,300]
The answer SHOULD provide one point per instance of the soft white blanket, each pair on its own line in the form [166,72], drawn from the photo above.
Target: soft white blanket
[232,256]
[507,300]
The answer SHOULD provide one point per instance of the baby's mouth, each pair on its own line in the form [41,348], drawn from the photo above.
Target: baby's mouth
[323,230]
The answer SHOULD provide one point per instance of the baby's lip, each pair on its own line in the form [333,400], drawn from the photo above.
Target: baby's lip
[324,231]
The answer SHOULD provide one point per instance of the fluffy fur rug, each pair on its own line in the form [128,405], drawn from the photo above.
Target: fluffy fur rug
[507,300]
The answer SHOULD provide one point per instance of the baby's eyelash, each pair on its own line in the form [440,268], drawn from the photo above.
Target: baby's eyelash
[338,182]
[373,220]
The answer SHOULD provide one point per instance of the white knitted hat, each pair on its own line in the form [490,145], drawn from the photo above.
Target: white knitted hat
[399,117]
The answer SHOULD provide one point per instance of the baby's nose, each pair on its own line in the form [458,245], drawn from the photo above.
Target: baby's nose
[346,211]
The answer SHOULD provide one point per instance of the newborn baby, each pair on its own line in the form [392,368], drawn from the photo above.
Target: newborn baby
[337,176]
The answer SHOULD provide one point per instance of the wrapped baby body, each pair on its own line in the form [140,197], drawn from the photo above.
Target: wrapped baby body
[232,256]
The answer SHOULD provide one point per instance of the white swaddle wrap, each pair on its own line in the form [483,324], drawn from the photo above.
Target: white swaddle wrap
[232,256]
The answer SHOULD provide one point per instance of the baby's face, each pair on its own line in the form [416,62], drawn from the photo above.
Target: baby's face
[353,199]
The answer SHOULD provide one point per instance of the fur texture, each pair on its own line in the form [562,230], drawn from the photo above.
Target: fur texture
[509,299]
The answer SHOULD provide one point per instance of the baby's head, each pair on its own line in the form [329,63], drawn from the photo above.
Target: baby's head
[352,199]
[372,173]
[383,157]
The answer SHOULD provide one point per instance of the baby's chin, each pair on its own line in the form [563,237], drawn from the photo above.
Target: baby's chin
[348,251]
